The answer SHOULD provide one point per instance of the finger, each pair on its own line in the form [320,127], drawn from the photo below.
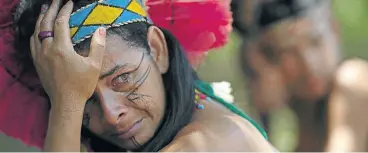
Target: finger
[47,23]
[35,41]
[33,47]
[44,9]
[97,48]
[61,28]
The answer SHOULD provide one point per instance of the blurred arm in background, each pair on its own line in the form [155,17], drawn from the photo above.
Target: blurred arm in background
[348,105]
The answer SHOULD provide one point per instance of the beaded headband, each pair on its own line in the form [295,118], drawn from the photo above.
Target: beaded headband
[108,13]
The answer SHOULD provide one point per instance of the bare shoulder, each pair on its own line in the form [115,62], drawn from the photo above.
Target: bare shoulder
[352,75]
[228,132]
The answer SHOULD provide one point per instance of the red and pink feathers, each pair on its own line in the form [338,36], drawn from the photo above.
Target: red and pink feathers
[199,25]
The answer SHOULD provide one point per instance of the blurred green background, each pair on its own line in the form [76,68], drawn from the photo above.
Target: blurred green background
[222,65]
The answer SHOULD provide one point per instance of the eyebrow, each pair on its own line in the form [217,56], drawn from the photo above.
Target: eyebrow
[117,67]
[112,71]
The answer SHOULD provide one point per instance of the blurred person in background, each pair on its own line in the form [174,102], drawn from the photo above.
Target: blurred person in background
[243,15]
[291,57]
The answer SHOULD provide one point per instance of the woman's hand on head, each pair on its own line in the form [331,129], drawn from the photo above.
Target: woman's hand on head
[64,73]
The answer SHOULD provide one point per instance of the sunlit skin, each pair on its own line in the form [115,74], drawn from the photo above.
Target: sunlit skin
[347,108]
[114,86]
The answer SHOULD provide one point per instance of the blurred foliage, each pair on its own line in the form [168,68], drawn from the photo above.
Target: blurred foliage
[352,16]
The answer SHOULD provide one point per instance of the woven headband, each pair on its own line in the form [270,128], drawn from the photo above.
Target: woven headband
[108,13]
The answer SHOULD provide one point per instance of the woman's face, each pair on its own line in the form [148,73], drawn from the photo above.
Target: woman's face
[307,54]
[129,101]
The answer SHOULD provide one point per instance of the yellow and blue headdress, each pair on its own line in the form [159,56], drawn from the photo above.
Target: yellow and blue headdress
[108,13]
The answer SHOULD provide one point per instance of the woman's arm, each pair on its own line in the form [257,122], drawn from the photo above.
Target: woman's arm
[68,78]
[347,108]
[64,129]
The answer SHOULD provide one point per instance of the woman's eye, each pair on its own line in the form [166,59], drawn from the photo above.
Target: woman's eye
[121,79]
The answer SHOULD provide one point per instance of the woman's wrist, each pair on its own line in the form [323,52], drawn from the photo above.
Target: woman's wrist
[68,102]
[65,121]
[66,111]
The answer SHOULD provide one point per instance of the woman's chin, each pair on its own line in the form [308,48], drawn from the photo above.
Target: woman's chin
[125,145]
[134,143]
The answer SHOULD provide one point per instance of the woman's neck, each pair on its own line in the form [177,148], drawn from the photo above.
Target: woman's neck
[311,139]
[312,128]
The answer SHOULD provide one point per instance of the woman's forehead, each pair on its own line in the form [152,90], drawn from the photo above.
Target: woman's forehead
[289,31]
[119,52]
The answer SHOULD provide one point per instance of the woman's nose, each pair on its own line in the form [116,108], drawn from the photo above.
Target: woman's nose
[112,106]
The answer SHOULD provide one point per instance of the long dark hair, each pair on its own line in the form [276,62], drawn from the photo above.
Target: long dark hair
[178,81]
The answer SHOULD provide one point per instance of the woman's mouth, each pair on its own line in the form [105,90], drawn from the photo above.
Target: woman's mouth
[129,131]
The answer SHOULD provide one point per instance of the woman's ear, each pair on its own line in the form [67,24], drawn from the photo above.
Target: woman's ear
[158,47]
